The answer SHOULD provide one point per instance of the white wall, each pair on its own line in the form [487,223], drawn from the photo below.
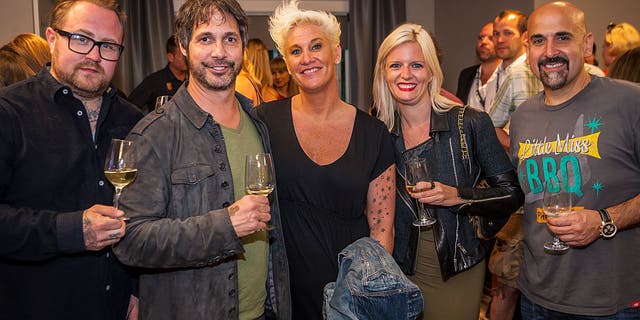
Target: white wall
[16,17]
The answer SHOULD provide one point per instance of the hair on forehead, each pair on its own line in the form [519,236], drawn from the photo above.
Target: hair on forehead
[194,13]
[62,7]
[521,18]
[288,15]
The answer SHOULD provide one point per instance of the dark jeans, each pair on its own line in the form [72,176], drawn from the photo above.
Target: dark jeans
[532,311]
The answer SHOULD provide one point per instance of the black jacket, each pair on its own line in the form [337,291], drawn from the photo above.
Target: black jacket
[457,246]
[51,169]
[465,80]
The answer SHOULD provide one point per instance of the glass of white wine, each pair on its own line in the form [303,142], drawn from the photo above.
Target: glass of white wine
[415,171]
[259,176]
[120,167]
[556,202]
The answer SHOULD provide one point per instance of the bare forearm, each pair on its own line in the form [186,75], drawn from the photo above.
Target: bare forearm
[626,214]
[503,137]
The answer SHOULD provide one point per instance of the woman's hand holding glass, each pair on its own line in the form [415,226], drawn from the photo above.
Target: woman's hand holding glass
[437,194]
[416,176]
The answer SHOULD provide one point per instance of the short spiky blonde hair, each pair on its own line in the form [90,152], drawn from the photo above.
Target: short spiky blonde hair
[383,100]
[288,15]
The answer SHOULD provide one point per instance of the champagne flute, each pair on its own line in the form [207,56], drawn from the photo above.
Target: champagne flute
[120,167]
[259,176]
[556,202]
[160,100]
[415,171]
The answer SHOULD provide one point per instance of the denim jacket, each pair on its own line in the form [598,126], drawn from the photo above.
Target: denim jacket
[180,233]
[370,285]
[457,246]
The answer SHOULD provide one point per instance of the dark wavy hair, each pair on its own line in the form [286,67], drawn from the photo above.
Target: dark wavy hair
[196,12]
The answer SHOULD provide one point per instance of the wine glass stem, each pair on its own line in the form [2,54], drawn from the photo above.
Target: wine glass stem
[116,198]
[556,239]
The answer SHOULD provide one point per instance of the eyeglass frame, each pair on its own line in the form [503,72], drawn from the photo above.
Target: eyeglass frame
[68,35]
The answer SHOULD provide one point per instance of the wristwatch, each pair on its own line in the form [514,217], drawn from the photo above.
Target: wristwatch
[608,229]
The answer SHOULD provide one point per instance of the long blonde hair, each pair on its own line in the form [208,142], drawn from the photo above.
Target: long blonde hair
[383,100]
[256,63]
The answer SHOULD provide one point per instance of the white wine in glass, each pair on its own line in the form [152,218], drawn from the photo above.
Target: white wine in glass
[120,167]
[259,176]
[416,171]
[556,202]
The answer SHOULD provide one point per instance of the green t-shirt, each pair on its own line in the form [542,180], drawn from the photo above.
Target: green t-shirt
[252,265]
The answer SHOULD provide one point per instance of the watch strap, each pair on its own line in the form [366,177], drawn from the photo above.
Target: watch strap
[604,214]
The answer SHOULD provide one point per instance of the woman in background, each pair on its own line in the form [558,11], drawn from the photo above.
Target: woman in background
[282,81]
[619,39]
[627,66]
[254,80]
[22,57]
[444,260]
[334,163]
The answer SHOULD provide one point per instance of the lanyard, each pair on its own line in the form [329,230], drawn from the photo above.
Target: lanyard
[479,84]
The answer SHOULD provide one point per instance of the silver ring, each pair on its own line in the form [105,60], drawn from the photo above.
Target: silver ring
[433,185]
[113,236]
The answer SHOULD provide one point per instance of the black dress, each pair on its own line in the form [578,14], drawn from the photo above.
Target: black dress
[322,206]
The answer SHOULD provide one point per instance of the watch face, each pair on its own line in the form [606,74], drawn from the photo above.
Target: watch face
[609,230]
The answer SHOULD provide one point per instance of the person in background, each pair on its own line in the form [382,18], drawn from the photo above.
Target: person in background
[282,81]
[627,66]
[334,162]
[445,260]
[581,130]
[57,222]
[619,38]
[12,68]
[198,238]
[591,58]
[23,57]
[254,80]
[164,82]
[477,85]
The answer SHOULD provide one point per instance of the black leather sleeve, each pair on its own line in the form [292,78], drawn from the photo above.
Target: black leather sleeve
[502,197]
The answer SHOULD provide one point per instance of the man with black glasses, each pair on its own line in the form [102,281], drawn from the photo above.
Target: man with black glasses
[57,222]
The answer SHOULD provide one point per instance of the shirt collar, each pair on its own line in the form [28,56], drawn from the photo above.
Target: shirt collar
[194,113]
[438,120]
[521,60]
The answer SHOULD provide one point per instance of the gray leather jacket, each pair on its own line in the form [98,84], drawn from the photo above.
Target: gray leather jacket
[457,246]
[180,234]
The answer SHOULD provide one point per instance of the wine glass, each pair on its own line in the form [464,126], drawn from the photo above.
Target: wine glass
[415,171]
[259,176]
[120,167]
[556,202]
[160,100]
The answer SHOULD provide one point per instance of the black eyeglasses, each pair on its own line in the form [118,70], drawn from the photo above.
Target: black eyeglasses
[83,45]
[610,26]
